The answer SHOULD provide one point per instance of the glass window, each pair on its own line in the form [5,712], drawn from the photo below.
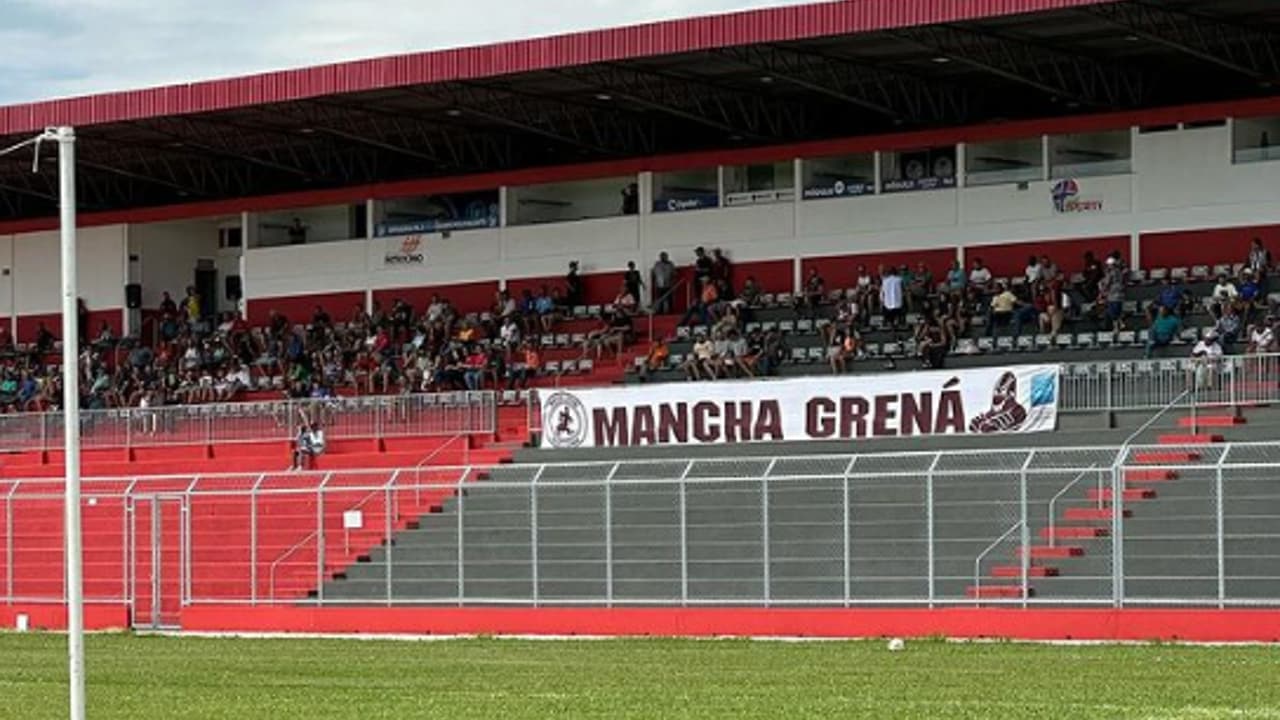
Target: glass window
[569,201]
[925,169]
[1090,154]
[847,176]
[686,190]
[303,226]
[755,184]
[1256,139]
[438,213]
[1004,162]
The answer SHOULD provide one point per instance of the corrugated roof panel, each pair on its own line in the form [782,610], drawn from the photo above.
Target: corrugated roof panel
[670,37]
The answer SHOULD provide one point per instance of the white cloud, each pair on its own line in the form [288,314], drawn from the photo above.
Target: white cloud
[56,48]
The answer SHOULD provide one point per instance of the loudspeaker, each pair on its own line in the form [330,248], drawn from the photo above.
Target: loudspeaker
[233,289]
[133,296]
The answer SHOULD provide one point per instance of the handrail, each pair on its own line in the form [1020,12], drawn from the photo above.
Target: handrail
[466,455]
[1124,447]
[977,563]
[1053,541]
[680,282]
[271,582]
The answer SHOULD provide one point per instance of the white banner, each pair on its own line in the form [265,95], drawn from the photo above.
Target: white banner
[981,401]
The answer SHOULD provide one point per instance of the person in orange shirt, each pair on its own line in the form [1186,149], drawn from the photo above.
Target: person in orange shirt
[702,307]
[656,359]
[527,366]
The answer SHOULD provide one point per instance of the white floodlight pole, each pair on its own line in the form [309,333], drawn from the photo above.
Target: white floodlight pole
[66,138]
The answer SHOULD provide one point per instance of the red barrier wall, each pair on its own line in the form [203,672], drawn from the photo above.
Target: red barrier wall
[1035,624]
[300,308]
[841,271]
[1220,246]
[54,617]
[1010,259]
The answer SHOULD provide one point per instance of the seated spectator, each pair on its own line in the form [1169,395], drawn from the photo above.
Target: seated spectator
[656,359]
[1173,297]
[44,340]
[1051,303]
[919,287]
[1228,327]
[1049,272]
[1033,271]
[842,345]
[476,363]
[625,300]
[509,335]
[615,332]
[979,281]
[699,365]
[1262,340]
[1224,293]
[750,295]
[1166,328]
[769,350]
[934,345]
[309,444]
[867,287]
[1001,308]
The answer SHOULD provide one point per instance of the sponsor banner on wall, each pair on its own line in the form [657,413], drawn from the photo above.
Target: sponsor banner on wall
[1067,198]
[923,183]
[840,188]
[404,251]
[418,227]
[986,401]
[687,202]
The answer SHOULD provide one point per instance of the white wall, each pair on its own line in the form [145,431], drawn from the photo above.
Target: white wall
[1181,180]
[167,253]
[37,269]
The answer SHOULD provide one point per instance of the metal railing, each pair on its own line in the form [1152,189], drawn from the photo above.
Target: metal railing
[357,417]
[842,530]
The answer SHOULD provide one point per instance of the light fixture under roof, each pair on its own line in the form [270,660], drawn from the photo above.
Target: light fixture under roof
[941,59]
[766,79]
[453,112]
[606,97]
[306,130]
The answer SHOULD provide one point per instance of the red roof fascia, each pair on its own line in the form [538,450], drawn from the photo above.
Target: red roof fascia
[658,163]
[663,38]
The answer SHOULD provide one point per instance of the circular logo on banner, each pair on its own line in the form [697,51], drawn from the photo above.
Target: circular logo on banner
[839,187]
[915,170]
[943,167]
[564,420]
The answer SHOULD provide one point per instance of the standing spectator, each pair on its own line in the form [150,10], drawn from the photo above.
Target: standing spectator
[1033,271]
[573,286]
[921,287]
[663,276]
[632,281]
[297,232]
[815,291]
[722,273]
[1112,291]
[979,283]
[956,279]
[891,298]
[82,322]
[702,266]
[1206,356]
[707,298]
[631,199]
[191,308]
[1259,259]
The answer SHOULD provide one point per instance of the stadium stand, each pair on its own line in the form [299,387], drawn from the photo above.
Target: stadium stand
[422,270]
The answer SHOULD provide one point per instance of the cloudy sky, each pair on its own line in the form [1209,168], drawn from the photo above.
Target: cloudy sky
[55,48]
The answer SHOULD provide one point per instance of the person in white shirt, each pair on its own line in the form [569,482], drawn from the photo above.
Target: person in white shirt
[980,276]
[1225,290]
[891,297]
[510,332]
[1033,272]
[1206,356]
[1262,340]
[310,444]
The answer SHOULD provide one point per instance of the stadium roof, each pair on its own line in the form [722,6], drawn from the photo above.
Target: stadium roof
[751,79]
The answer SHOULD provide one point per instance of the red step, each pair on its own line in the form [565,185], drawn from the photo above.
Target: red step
[1199,439]
[1052,552]
[1160,458]
[1084,513]
[1105,494]
[1015,571]
[1074,532]
[1211,421]
[998,591]
[1132,475]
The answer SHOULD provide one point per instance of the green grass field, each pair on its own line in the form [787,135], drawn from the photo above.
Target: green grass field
[161,677]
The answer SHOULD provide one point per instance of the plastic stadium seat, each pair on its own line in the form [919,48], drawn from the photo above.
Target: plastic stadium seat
[1004,343]
[682,332]
[769,326]
[912,319]
[874,349]
[804,326]
[986,344]
[892,349]
[1126,338]
[816,354]
[1130,307]
[553,367]
[547,341]
[676,359]
[1065,341]
[1025,343]
[1200,272]
[593,310]
[967,346]
[877,321]
[821,323]
[787,326]
[1077,278]
[578,338]
[910,348]
[1190,334]
[799,355]
[1043,342]
[1138,277]
[768,300]
[752,327]
[586,366]
[569,367]
[1180,273]
[1158,274]
[1106,338]
[1221,269]
[1143,336]
[563,340]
